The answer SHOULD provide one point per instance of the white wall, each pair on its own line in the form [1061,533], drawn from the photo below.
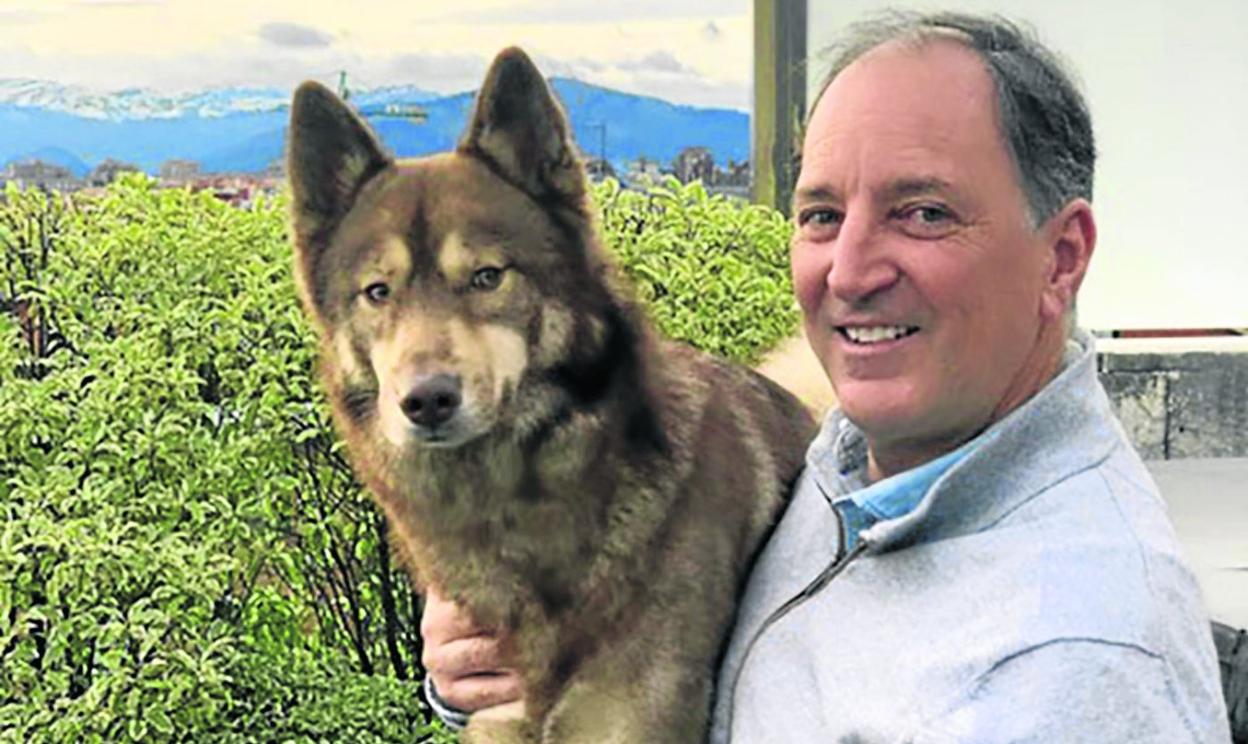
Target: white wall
[1167,83]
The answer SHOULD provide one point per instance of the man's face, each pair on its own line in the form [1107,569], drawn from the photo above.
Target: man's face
[922,281]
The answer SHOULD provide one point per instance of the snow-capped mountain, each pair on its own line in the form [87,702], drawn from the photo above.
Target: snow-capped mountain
[392,94]
[235,130]
[138,103]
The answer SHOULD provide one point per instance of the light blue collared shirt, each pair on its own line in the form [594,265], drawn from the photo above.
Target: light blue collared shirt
[894,496]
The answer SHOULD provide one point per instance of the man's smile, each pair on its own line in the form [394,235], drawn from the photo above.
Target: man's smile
[866,335]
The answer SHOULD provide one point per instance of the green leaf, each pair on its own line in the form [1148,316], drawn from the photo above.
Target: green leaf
[159,720]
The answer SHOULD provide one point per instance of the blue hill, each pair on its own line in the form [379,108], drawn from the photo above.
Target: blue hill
[58,156]
[651,127]
[635,126]
[145,142]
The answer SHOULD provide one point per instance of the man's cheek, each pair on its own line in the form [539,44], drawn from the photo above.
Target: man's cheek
[809,278]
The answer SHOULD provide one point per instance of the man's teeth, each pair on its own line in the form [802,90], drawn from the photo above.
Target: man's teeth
[876,334]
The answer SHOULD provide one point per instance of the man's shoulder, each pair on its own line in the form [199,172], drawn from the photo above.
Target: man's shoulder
[1108,565]
[1112,510]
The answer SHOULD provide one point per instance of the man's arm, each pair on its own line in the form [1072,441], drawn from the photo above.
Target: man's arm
[1078,690]
[466,670]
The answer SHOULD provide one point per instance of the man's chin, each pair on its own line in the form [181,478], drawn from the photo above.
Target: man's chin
[883,409]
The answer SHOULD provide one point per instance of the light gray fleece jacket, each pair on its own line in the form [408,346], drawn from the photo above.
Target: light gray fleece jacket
[1036,594]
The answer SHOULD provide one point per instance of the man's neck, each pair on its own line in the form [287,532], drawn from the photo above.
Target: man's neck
[886,462]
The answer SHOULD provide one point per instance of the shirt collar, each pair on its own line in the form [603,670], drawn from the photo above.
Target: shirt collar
[898,494]
[1066,425]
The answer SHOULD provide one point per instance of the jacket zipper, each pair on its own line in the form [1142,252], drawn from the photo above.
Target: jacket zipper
[831,571]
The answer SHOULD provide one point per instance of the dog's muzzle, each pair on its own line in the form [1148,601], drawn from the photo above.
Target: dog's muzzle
[433,401]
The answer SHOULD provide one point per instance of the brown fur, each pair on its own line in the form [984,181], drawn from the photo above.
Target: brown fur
[598,492]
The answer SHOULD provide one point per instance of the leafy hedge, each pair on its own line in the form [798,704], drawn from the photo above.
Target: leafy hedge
[714,271]
[184,555]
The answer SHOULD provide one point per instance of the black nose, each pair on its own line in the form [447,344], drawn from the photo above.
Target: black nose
[433,400]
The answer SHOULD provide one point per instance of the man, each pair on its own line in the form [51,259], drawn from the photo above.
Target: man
[974,552]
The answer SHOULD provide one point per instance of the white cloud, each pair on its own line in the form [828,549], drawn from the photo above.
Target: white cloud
[294,35]
[441,72]
[657,61]
[665,51]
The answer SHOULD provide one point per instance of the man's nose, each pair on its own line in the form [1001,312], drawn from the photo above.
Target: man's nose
[862,265]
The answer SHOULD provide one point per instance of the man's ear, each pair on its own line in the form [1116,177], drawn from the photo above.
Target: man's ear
[330,154]
[519,128]
[1070,236]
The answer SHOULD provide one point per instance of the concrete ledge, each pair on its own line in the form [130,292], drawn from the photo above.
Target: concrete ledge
[1179,398]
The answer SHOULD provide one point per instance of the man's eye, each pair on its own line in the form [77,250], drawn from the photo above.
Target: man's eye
[819,217]
[932,215]
[927,220]
[818,222]
[377,292]
[486,279]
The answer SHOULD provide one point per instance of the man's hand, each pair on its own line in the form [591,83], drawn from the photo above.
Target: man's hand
[464,660]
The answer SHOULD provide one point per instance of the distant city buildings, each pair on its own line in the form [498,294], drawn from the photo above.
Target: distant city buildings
[239,189]
[643,171]
[107,172]
[599,169]
[276,170]
[37,174]
[175,172]
[733,179]
[695,163]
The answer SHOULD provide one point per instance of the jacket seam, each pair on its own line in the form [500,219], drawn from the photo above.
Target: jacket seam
[968,690]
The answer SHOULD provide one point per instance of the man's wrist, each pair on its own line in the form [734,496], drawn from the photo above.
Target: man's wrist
[450,715]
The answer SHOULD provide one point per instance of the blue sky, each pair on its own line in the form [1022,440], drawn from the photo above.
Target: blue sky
[688,51]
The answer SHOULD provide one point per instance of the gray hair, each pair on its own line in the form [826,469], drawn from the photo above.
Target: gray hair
[1044,121]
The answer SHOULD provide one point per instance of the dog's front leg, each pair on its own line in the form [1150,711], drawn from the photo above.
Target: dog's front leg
[503,724]
[659,703]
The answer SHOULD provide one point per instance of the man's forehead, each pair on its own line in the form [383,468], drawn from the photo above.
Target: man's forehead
[904,115]
[918,61]
[937,79]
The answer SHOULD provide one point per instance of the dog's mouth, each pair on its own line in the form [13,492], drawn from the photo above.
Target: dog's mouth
[467,423]
[444,437]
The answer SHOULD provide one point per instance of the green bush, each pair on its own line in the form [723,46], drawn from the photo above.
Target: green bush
[184,555]
[713,270]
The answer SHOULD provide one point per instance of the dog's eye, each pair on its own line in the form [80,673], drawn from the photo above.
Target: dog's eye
[486,279]
[377,292]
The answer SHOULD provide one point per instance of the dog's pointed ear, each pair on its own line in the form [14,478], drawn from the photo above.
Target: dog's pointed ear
[519,127]
[330,154]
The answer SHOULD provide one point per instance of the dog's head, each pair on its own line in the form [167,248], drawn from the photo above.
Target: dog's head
[443,286]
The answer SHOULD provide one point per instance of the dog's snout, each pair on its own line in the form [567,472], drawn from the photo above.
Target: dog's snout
[433,400]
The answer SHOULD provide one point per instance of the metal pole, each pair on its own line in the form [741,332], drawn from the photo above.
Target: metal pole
[779,98]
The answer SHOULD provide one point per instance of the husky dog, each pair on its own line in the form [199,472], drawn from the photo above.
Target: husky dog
[542,458]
